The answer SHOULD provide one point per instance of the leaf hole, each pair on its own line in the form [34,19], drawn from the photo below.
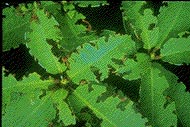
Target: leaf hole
[43,94]
[148,123]
[16,96]
[122,105]
[110,91]
[96,72]
[120,62]
[151,26]
[90,88]
[83,82]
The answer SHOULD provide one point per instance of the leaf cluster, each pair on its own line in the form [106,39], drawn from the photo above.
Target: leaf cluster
[80,64]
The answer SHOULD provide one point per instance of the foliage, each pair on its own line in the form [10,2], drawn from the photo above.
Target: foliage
[75,91]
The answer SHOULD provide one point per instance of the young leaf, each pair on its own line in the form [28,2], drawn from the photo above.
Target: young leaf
[99,56]
[153,84]
[172,20]
[107,110]
[15,28]
[65,113]
[42,29]
[176,51]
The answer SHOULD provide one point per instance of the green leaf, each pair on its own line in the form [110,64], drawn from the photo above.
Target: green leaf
[153,84]
[73,34]
[141,22]
[149,35]
[65,113]
[42,29]
[99,56]
[182,103]
[131,9]
[15,27]
[28,84]
[130,70]
[131,12]
[107,110]
[172,20]
[29,110]
[23,96]
[176,51]
[92,3]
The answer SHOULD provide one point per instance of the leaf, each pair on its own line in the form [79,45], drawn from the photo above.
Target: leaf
[29,104]
[99,56]
[28,84]
[107,110]
[176,93]
[172,20]
[43,29]
[130,70]
[176,51]
[92,3]
[14,28]
[73,34]
[141,22]
[153,84]
[65,113]
[182,103]
[29,111]
[131,9]
[131,13]
[149,36]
